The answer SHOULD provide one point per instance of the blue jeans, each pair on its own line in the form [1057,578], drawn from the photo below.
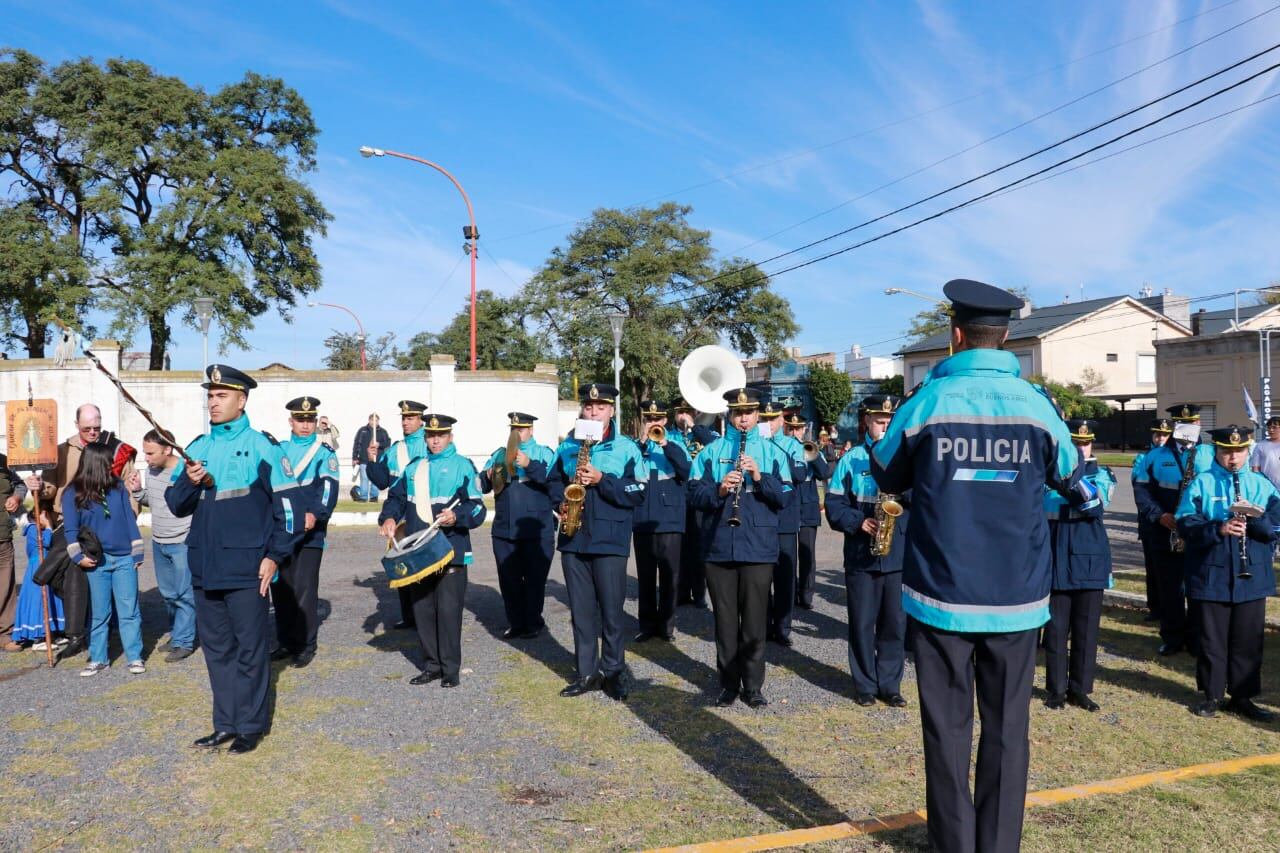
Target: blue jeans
[173,577]
[368,491]
[114,578]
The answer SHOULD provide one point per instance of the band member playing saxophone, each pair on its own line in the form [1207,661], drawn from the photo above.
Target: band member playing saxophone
[872,562]
[740,482]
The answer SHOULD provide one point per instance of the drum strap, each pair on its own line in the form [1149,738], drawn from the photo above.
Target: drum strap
[422,490]
[301,467]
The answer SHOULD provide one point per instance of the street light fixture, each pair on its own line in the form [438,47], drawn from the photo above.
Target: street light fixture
[616,318]
[359,325]
[204,313]
[890,291]
[469,232]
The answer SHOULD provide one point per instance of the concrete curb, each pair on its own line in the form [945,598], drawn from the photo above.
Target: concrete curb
[1133,600]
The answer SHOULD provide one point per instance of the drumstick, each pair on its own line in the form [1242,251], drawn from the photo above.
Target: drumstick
[435,525]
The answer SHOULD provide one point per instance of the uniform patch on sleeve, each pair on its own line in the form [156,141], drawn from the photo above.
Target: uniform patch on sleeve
[333,464]
[286,465]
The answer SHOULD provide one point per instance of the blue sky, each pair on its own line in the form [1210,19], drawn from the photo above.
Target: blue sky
[758,115]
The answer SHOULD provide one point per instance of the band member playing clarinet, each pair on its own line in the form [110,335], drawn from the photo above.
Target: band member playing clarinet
[740,483]
[1228,517]
[602,483]
[1081,571]
[659,523]
[524,528]
[872,563]
[425,494]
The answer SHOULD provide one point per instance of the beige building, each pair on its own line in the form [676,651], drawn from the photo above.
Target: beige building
[1113,338]
[1214,371]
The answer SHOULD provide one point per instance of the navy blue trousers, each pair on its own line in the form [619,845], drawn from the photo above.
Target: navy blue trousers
[806,565]
[782,598]
[233,629]
[597,586]
[296,596]
[523,565]
[877,630]
[692,584]
[657,563]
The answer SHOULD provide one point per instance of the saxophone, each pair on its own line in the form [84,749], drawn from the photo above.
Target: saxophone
[888,508]
[575,494]
[1176,543]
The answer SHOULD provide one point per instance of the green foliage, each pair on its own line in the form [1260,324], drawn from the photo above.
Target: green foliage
[893,385]
[502,341]
[42,277]
[650,263]
[831,390]
[344,351]
[1072,400]
[168,192]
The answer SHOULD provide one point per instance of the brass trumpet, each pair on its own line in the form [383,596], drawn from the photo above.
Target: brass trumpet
[810,451]
[656,433]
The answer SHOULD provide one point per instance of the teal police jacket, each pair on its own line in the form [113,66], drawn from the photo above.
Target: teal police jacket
[793,451]
[1156,480]
[664,505]
[755,540]
[852,495]
[1077,533]
[393,461]
[317,483]
[449,475]
[610,504]
[252,510]
[523,510]
[1144,526]
[1212,561]
[976,445]
[807,490]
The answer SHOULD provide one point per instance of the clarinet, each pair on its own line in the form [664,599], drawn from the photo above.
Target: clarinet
[735,517]
[1244,573]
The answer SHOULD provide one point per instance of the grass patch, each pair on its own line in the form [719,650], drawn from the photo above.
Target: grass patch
[46,764]
[1116,459]
[25,723]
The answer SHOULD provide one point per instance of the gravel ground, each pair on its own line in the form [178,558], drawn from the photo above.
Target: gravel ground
[358,757]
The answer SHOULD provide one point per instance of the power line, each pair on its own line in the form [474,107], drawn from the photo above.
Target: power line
[885,126]
[432,298]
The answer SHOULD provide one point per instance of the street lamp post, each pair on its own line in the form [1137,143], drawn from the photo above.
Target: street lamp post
[616,318]
[469,232]
[204,313]
[890,291]
[359,325]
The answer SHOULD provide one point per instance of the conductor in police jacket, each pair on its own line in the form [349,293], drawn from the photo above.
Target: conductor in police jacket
[976,444]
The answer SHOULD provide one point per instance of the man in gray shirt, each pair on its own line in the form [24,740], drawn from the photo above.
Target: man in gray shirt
[168,544]
[1265,458]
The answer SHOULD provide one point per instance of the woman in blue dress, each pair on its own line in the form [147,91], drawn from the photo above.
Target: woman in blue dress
[28,621]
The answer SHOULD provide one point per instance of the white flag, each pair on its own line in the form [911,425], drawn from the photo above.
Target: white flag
[1249,408]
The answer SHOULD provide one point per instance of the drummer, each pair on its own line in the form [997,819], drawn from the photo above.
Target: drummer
[421,496]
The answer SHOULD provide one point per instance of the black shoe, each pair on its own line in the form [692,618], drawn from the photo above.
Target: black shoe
[74,646]
[165,646]
[667,638]
[214,740]
[281,654]
[804,605]
[726,698]
[1056,701]
[866,700]
[424,677]
[893,700]
[643,637]
[1248,710]
[615,687]
[300,661]
[244,743]
[1169,649]
[448,681]
[785,642]
[510,633]
[529,633]
[404,625]
[177,653]
[1080,700]
[583,685]
[1207,708]
[755,700]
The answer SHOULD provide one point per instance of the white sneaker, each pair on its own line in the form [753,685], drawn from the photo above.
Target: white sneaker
[137,667]
[58,642]
[93,669]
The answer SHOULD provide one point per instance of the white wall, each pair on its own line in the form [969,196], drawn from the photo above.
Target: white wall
[479,400]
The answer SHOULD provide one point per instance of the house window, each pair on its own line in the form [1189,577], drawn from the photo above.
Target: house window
[1112,356]
[1208,417]
[1146,369]
[1026,366]
[918,371]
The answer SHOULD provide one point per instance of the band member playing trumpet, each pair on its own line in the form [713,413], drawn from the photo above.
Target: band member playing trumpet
[659,526]
[816,468]
[1153,537]
[595,540]
[420,497]
[1081,571]
[1228,517]
[384,465]
[740,483]
[691,586]
[782,595]
[872,563]
[524,527]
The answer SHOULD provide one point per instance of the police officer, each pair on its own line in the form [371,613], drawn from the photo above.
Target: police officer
[296,595]
[385,464]
[691,586]
[247,519]
[425,493]
[815,469]
[740,483]
[782,596]
[872,582]
[1153,537]
[976,444]
[1228,588]
[594,557]
[1157,484]
[659,524]
[1081,571]
[524,526]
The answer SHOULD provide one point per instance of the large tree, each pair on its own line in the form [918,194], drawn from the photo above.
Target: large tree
[502,340]
[169,192]
[41,277]
[663,273]
[832,392]
[344,351]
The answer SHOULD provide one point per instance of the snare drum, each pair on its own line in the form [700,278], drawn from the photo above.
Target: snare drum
[417,556]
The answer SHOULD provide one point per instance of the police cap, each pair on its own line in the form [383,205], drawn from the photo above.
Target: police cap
[1162,425]
[1184,412]
[653,409]
[1082,429]
[439,423]
[983,304]
[770,410]
[520,419]
[1231,437]
[880,404]
[598,392]
[411,407]
[303,407]
[743,398]
[226,376]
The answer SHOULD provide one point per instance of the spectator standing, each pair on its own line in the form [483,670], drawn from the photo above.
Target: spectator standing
[1265,458]
[366,435]
[28,623]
